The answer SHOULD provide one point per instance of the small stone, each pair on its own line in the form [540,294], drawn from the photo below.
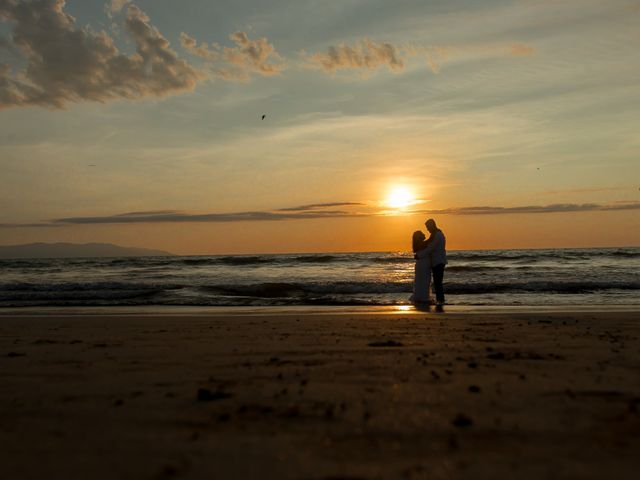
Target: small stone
[387,343]
[496,356]
[462,421]
[292,412]
[205,395]
[169,471]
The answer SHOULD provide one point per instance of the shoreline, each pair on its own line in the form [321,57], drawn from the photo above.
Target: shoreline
[308,310]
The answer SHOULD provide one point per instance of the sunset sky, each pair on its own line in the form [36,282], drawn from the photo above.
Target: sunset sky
[513,123]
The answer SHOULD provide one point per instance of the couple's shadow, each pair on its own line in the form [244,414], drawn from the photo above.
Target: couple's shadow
[428,308]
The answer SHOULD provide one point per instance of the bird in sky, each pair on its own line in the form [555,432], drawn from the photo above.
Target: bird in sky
[263,117]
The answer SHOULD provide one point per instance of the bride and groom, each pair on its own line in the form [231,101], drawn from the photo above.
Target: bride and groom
[431,258]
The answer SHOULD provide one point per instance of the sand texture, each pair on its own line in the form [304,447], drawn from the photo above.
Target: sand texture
[539,395]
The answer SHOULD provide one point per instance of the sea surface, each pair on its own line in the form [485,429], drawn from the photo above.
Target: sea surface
[491,277]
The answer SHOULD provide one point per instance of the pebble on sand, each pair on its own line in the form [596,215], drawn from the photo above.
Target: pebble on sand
[205,395]
[387,343]
[462,421]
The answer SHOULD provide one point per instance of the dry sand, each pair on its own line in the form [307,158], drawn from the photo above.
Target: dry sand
[527,395]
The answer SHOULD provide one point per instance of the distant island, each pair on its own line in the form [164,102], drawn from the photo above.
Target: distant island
[70,250]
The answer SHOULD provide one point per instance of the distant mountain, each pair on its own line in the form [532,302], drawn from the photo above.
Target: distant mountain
[69,250]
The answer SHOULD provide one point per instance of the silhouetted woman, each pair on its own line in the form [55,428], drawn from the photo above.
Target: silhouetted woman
[422,276]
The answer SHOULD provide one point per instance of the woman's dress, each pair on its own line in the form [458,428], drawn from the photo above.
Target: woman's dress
[422,281]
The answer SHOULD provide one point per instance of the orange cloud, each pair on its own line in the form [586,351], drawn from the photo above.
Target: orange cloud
[240,62]
[520,49]
[364,55]
[318,211]
[369,55]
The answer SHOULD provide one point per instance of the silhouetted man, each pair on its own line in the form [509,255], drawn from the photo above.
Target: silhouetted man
[436,248]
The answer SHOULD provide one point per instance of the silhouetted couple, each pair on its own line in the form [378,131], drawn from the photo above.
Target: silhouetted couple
[431,258]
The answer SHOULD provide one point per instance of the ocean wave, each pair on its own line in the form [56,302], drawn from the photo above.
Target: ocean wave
[625,254]
[283,289]
[265,290]
[280,290]
[478,268]
[304,294]
[316,279]
[537,255]
[408,258]
[316,259]
[84,286]
[480,258]
[236,260]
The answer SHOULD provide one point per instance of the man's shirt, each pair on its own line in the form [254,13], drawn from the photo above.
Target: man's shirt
[436,250]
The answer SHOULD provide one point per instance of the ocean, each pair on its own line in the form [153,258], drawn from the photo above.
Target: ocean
[606,276]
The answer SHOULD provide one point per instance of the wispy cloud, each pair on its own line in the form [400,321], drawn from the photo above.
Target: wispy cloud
[520,49]
[31,225]
[436,55]
[117,5]
[367,55]
[363,55]
[202,50]
[315,206]
[317,211]
[248,57]
[555,208]
[585,190]
[66,63]
[177,217]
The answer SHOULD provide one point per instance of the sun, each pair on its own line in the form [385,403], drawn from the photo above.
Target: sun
[400,197]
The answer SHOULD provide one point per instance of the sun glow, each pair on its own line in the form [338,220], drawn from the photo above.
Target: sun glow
[400,197]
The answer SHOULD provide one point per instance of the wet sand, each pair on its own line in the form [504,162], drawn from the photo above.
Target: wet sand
[303,396]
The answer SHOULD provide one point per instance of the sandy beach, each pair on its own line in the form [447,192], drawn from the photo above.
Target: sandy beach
[304,396]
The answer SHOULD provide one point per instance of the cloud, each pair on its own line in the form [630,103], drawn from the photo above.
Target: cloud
[203,50]
[178,217]
[252,56]
[363,55]
[117,5]
[66,64]
[315,206]
[315,211]
[433,55]
[555,208]
[520,49]
[31,225]
[367,55]
[248,57]
[585,190]
[148,212]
